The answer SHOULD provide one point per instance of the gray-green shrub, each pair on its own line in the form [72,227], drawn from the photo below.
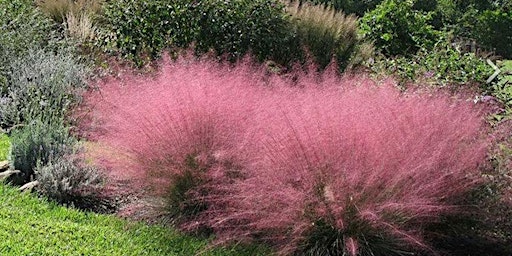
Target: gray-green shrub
[22,26]
[41,85]
[37,143]
[68,180]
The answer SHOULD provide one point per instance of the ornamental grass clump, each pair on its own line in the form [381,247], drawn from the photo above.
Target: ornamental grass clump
[312,164]
[185,130]
[353,171]
[327,34]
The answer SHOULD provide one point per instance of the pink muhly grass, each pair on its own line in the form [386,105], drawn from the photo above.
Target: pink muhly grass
[363,163]
[185,128]
[324,164]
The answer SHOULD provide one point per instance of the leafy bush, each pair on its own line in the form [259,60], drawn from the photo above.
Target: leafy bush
[37,143]
[42,85]
[67,180]
[141,29]
[493,30]
[358,7]
[443,65]
[397,29]
[237,27]
[328,34]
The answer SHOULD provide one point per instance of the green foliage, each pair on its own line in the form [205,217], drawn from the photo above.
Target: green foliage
[139,30]
[397,29]
[32,226]
[239,26]
[443,65]
[486,21]
[38,143]
[67,180]
[5,145]
[492,29]
[42,85]
[502,90]
[358,7]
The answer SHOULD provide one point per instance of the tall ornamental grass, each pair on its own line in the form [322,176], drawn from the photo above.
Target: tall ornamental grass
[354,171]
[184,130]
[327,34]
[316,164]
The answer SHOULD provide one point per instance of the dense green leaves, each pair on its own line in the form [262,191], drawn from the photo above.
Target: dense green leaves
[397,29]
[237,27]
[140,30]
[493,29]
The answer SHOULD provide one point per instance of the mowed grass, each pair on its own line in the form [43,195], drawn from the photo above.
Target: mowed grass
[32,226]
[4,147]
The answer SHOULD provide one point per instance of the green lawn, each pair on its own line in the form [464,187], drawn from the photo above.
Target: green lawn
[32,226]
[4,147]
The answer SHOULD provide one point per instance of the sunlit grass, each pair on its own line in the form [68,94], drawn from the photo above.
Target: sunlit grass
[4,147]
[32,226]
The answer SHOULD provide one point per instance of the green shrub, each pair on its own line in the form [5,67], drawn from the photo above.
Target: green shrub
[67,180]
[397,29]
[42,85]
[443,65]
[141,29]
[37,143]
[328,34]
[239,26]
[492,29]
[501,89]
[358,7]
